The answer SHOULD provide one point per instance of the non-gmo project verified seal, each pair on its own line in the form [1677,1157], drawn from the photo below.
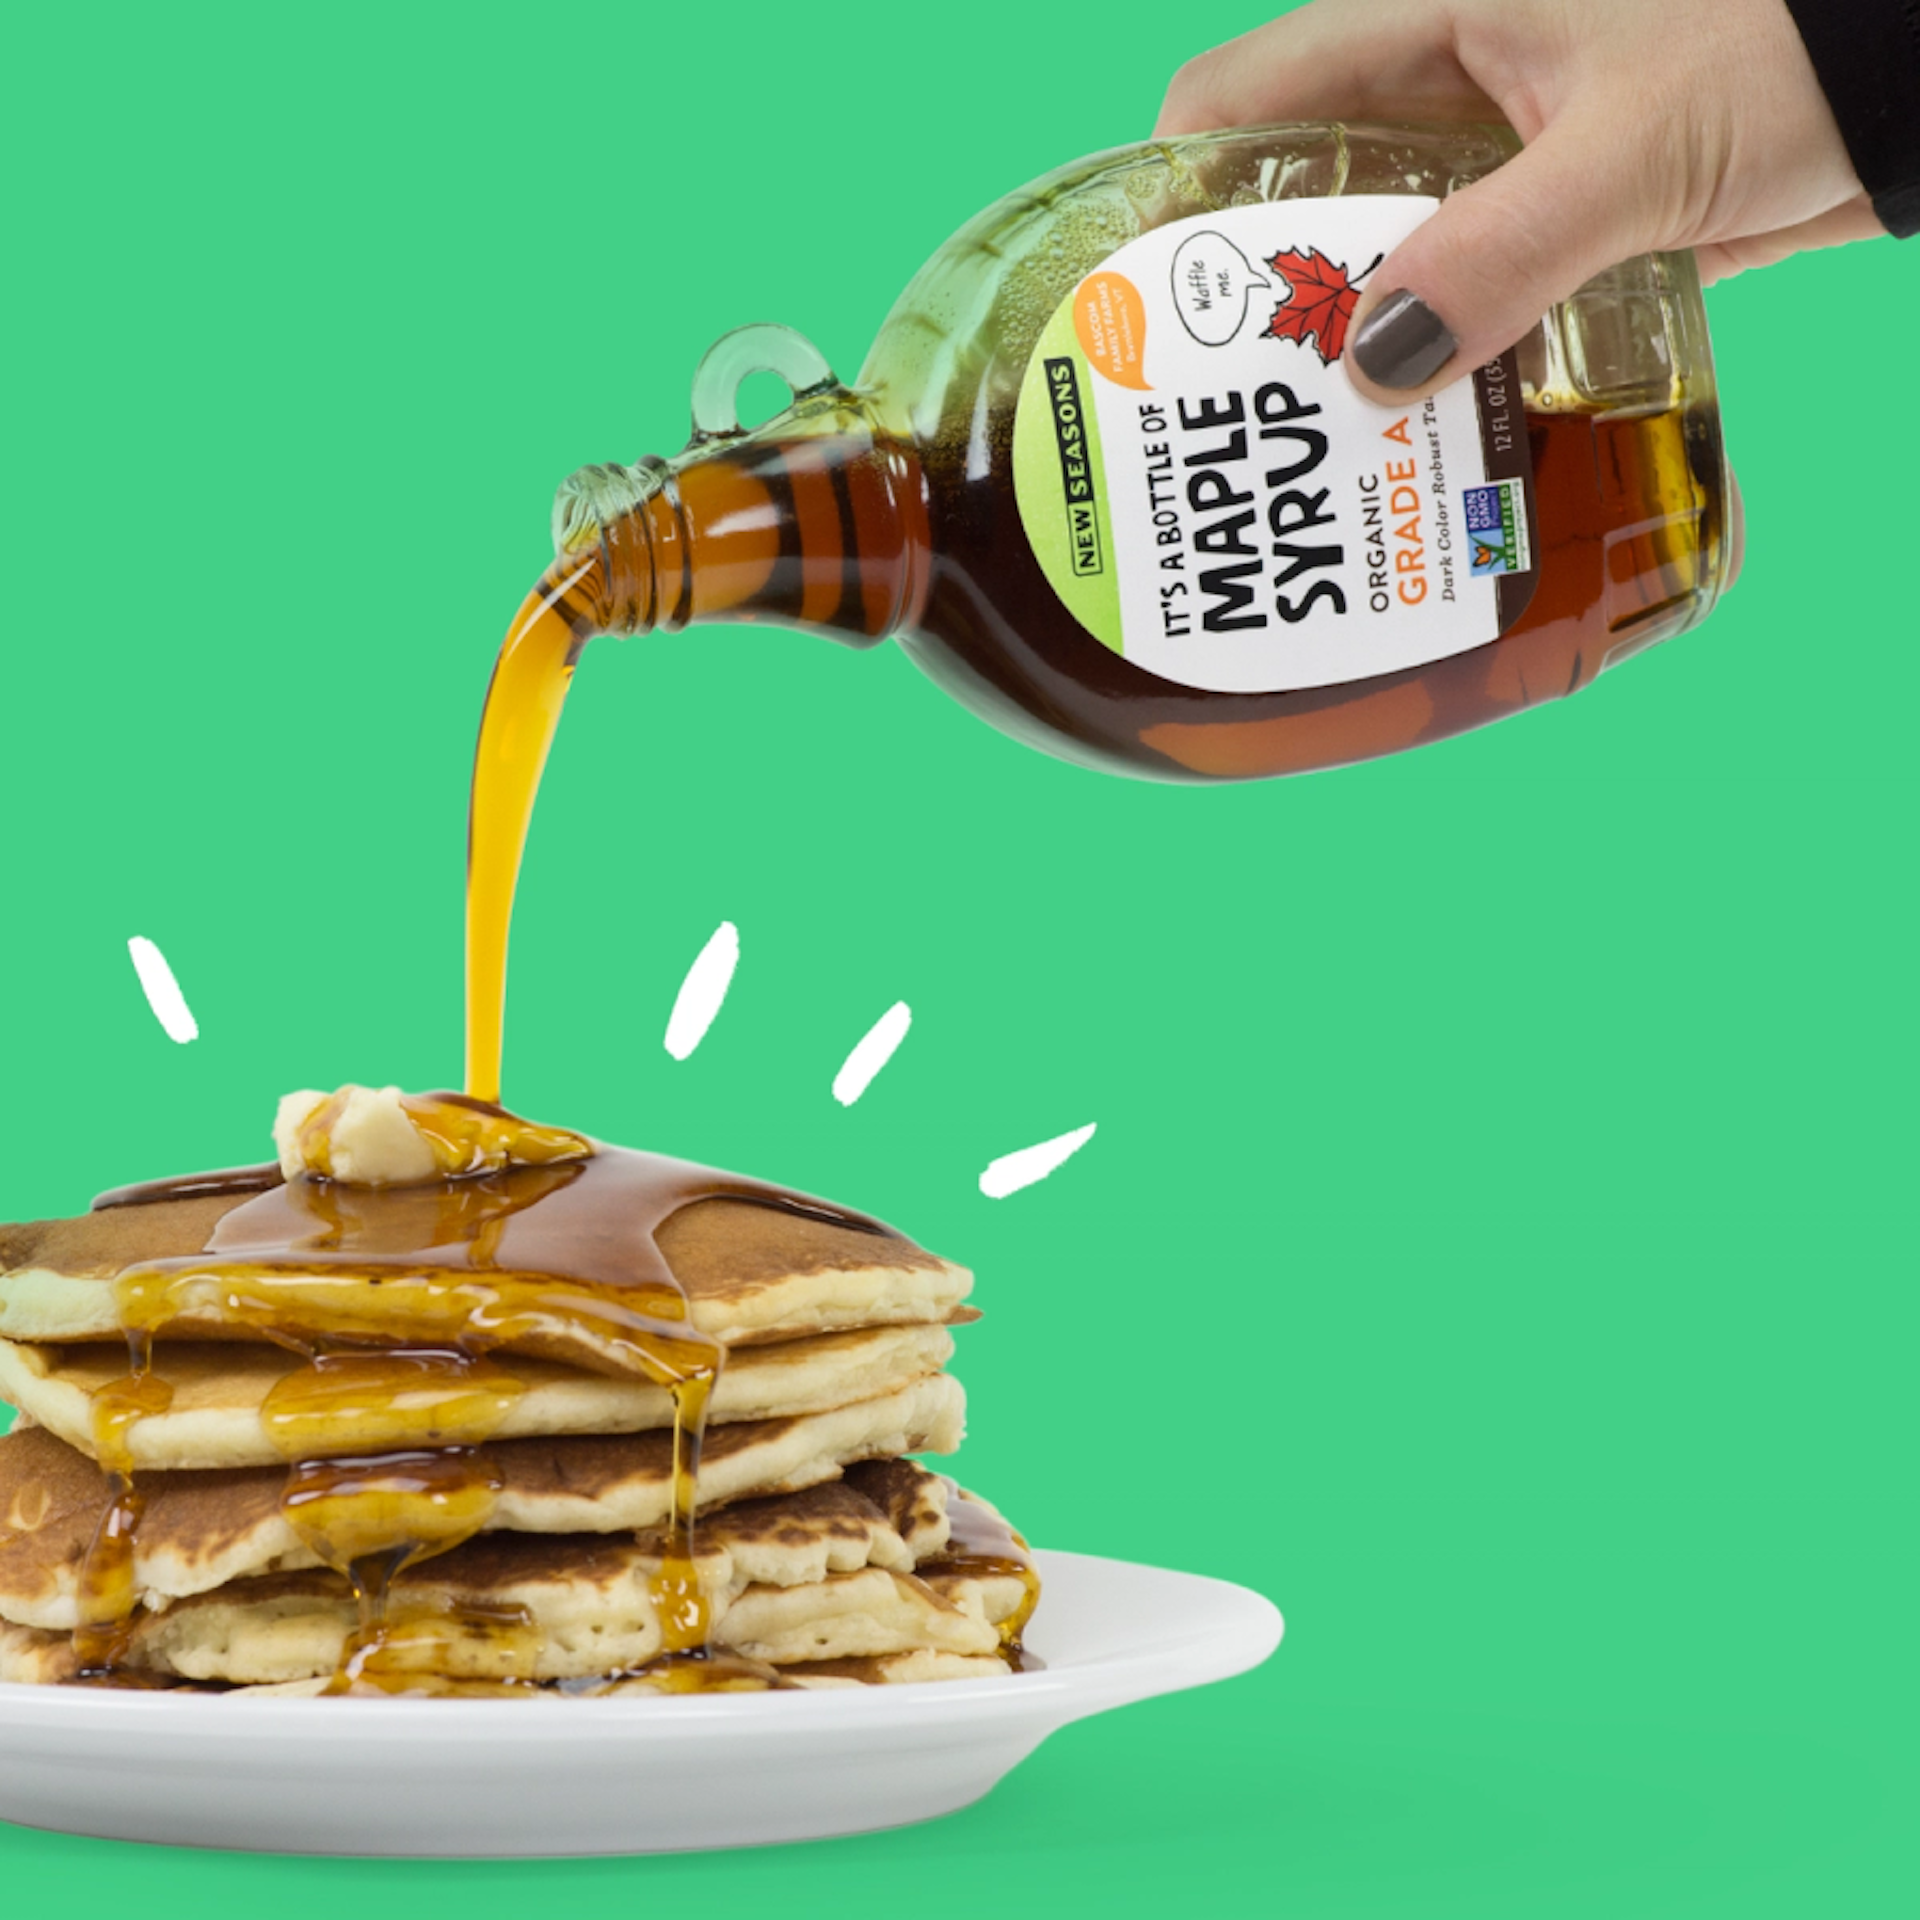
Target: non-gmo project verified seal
[1497,527]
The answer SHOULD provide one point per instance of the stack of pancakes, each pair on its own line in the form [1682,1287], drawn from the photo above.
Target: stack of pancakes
[821,1551]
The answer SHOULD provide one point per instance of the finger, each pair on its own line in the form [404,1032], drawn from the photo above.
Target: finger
[1474,279]
[1382,59]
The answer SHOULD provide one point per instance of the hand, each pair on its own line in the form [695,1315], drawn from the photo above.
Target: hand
[1649,125]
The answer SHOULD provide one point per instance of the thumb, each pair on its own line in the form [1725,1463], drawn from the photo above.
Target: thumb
[1474,279]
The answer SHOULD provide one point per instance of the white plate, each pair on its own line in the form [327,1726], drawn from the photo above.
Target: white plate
[477,1778]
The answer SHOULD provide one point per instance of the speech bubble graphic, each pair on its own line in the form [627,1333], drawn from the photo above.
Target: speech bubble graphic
[1212,280]
[1110,319]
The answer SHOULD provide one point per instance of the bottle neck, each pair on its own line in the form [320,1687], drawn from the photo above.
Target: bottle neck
[815,523]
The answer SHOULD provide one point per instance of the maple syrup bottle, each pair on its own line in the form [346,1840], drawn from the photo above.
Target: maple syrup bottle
[1104,479]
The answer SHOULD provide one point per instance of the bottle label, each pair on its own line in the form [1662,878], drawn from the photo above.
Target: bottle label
[1213,501]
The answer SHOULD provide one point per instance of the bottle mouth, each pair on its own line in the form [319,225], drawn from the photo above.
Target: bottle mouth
[587,503]
[602,515]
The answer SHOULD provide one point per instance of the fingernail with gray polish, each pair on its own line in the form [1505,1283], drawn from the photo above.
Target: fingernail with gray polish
[1404,342]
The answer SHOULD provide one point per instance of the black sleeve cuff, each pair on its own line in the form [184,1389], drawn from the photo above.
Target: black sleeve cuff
[1866,54]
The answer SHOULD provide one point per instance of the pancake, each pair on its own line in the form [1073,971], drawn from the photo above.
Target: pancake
[219,1387]
[874,1670]
[201,1531]
[877,1670]
[573,1607]
[750,1273]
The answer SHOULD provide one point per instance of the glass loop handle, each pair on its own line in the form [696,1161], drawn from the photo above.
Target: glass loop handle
[764,347]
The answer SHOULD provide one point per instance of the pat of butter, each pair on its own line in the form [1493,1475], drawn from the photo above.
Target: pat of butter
[381,1137]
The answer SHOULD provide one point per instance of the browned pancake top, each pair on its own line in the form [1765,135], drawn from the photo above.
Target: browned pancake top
[51,1497]
[913,1500]
[831,1511]
[714,1248]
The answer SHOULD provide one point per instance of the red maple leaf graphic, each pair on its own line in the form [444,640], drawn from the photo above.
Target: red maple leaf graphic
[1320,301]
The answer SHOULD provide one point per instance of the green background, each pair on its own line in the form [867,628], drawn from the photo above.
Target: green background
[1496,1245]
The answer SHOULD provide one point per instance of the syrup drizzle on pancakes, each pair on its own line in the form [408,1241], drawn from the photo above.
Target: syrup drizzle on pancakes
[394,1296]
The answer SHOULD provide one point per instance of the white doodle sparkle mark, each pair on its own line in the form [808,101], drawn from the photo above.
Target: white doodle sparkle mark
[703,990]
[875,1049]
[163,993]
[1012,1171]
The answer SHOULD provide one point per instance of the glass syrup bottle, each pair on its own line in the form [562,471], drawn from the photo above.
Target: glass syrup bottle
[1105,481]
